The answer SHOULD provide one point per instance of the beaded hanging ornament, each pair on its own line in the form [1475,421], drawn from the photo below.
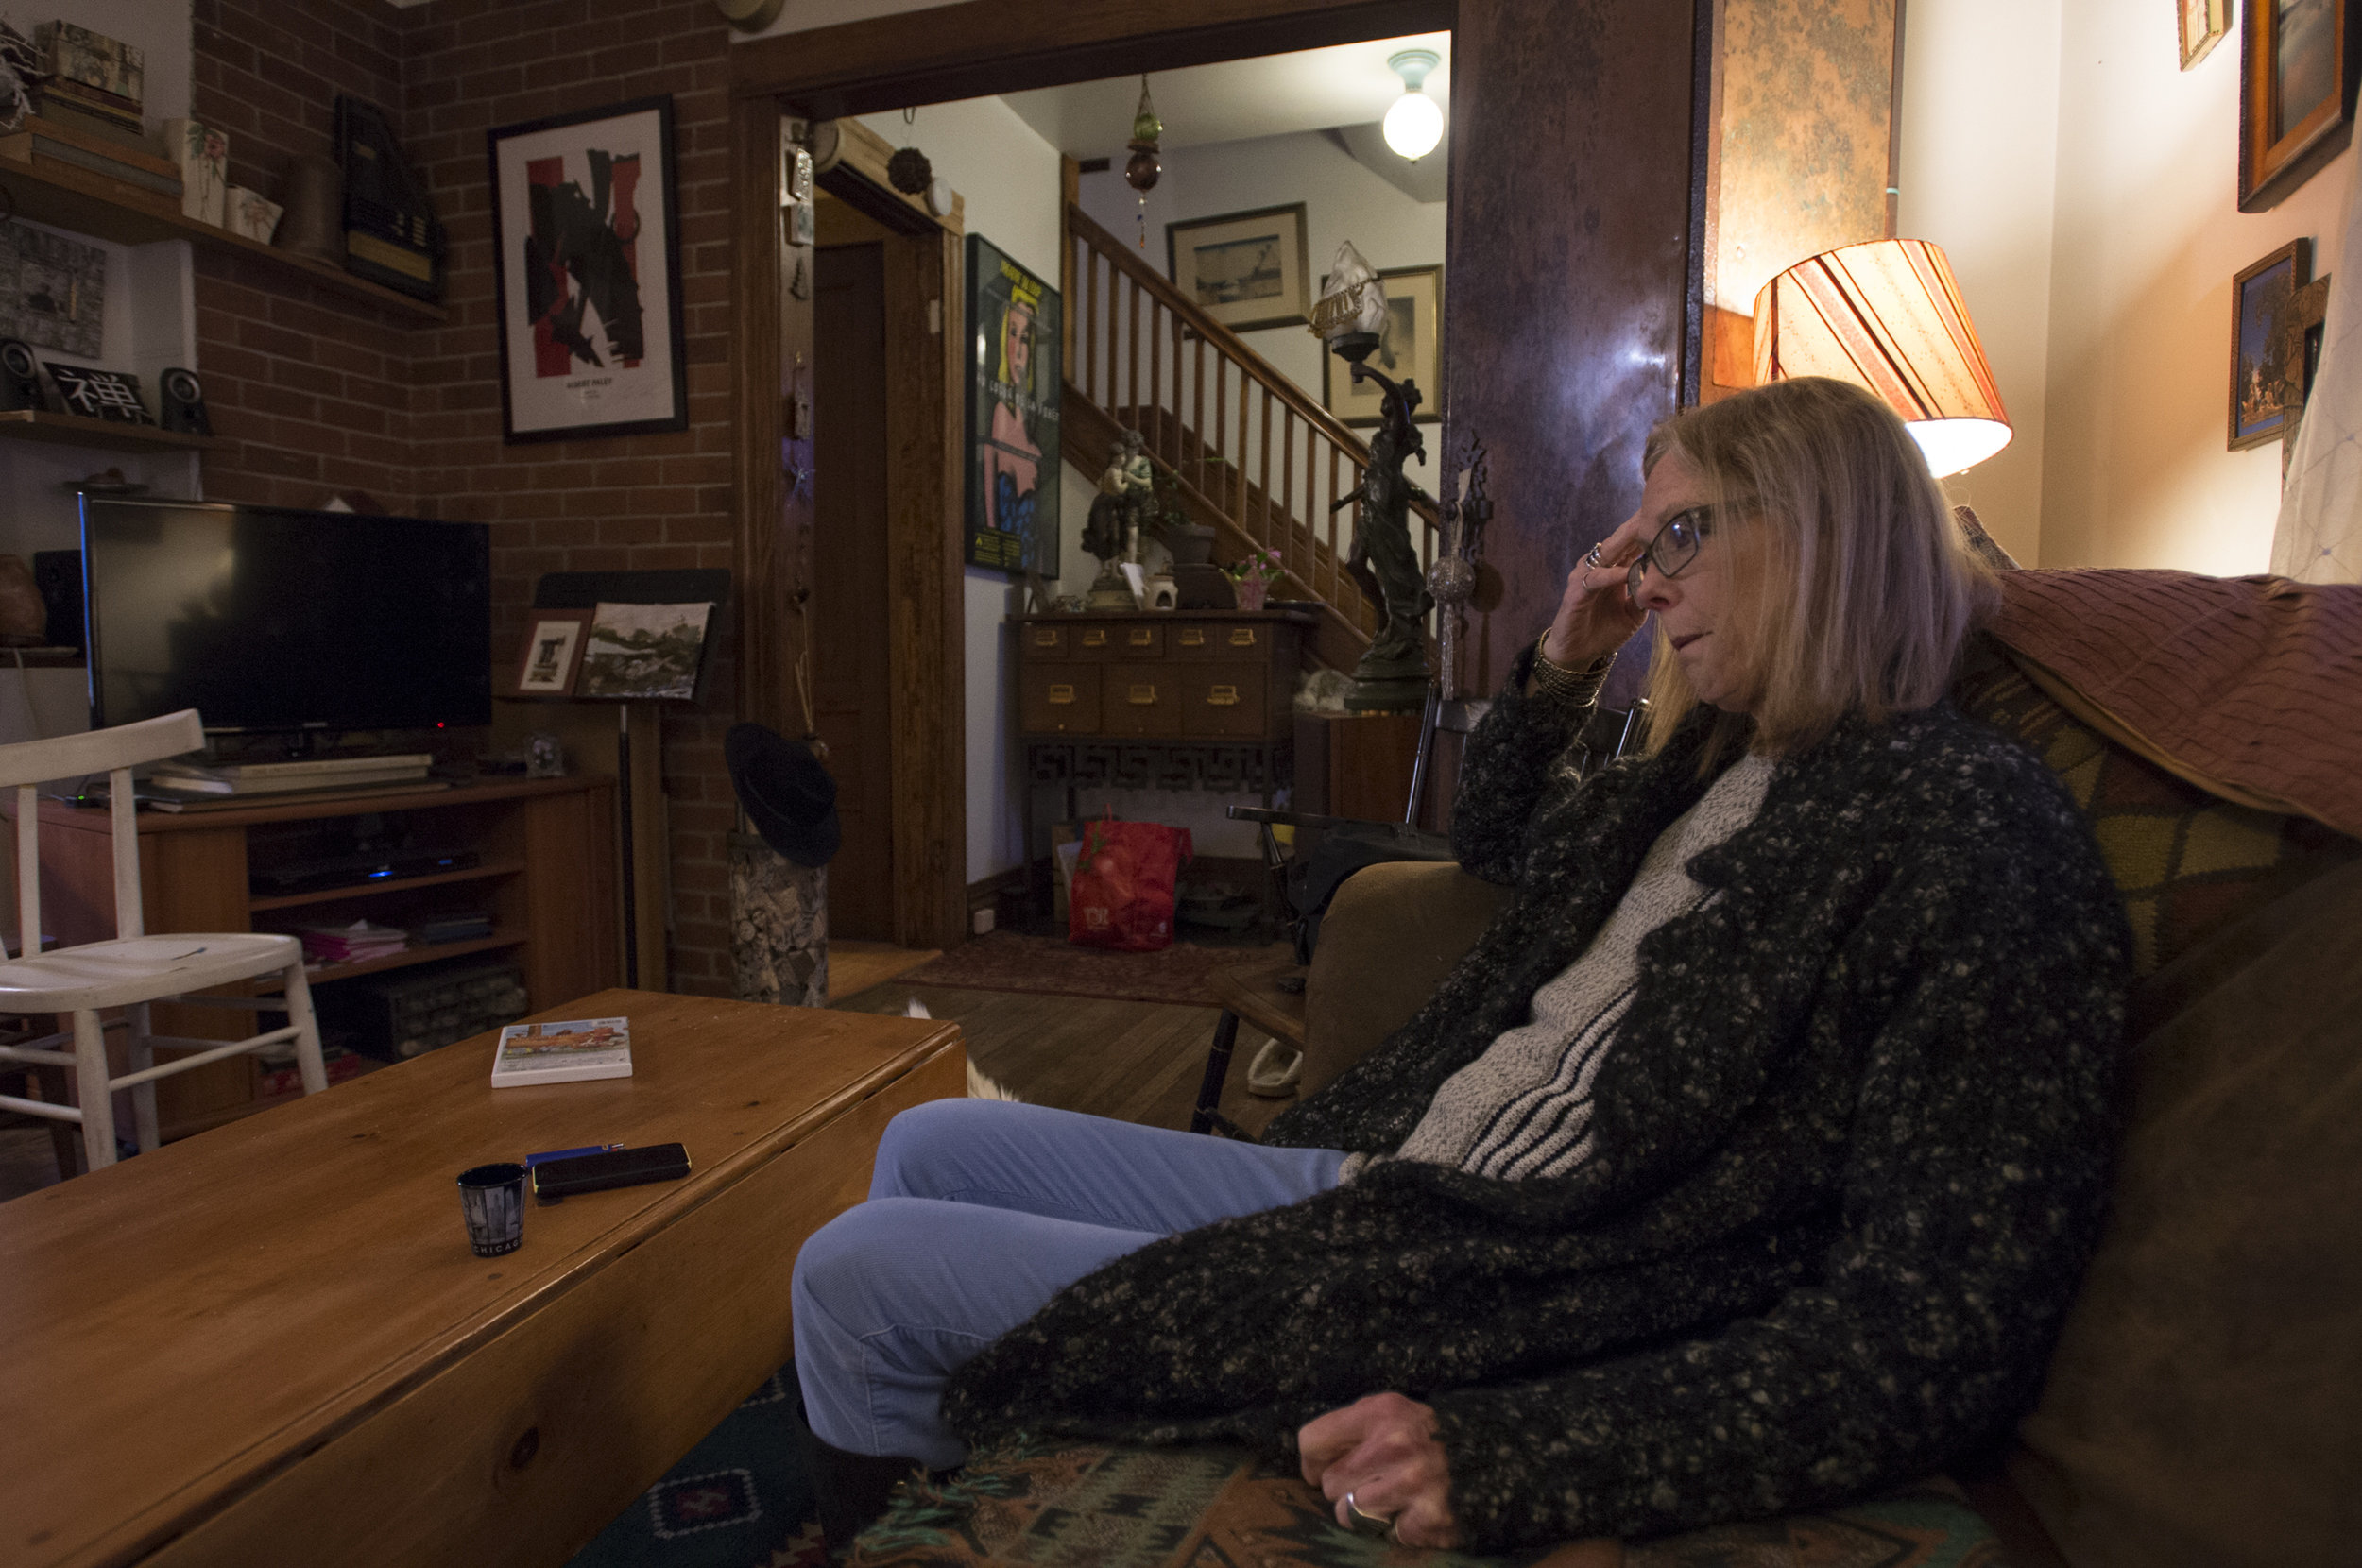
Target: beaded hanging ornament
[908,170]
[1142,171]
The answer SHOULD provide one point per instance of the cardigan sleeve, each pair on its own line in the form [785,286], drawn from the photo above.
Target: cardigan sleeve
[1969,1203]
[1507,771]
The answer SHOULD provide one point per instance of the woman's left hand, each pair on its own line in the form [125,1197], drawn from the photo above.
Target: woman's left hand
[1383,1449]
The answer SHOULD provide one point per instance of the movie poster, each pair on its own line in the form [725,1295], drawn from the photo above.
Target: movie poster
[1014,379]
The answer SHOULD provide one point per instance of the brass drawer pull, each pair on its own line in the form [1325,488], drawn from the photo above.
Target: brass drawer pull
[1096,638]
[1140,637]
[1061,695]
[1242,637]
[1192,636]
[1046,637]
[1223,697]
[1143,696]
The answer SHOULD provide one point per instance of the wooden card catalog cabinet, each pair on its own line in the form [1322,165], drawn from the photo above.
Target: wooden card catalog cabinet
[1190,675]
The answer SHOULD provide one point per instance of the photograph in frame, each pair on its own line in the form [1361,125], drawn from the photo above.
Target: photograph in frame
[1411,347]
[644,653]
[2204,24]
[2263,304]
[586,245]
[1014,385]
[1248,270]
[2296,82]
[552,657]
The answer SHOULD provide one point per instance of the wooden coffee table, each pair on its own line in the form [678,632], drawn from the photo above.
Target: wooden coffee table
[270,1344]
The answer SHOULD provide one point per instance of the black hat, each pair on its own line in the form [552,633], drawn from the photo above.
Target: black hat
[788,795]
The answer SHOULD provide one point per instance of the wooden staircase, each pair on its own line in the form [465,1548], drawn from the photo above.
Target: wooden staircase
[1255,458]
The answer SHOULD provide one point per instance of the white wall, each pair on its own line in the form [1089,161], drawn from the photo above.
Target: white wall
[1009,178]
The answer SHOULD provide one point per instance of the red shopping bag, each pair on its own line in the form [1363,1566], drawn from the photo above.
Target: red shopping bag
[1123,892]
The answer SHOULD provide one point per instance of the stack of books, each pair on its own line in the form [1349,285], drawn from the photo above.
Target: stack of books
[355,944]
[183,776]
[64,141]
[440,929]
[89,111]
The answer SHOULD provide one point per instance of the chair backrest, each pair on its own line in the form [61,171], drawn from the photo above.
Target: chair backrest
[114,751]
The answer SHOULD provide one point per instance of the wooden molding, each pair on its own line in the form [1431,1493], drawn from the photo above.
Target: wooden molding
[963,51]
[864,155]
[773,527]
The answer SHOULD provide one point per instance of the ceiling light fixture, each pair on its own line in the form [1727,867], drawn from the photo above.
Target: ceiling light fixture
[1416,124]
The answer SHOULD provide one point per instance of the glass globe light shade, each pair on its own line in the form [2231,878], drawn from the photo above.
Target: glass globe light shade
[1415,125]
[1952,445]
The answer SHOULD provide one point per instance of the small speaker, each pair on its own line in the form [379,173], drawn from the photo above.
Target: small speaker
[19,375]
[183,399]
[59,576]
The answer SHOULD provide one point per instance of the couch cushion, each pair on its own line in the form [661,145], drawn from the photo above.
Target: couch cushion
[2188,862]
[1392,934]
[1199,1508]
[2204,1404]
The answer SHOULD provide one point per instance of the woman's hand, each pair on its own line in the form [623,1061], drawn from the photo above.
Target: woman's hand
[1383,1449]
[1595,617]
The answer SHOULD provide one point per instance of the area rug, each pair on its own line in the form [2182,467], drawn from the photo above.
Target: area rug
[741,1498]
[1049,965]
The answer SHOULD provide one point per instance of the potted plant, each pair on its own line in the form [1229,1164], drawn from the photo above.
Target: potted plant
[1254,577]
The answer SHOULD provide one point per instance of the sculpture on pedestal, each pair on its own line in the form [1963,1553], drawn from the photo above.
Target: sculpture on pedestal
[1393,676]
[1126,505]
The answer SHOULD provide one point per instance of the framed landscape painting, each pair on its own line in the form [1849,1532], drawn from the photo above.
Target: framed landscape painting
[2264,302]
[1015,382]
[586,237]
[1248,270]
[1409,347]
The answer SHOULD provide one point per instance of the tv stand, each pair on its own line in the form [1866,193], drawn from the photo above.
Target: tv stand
[541,862]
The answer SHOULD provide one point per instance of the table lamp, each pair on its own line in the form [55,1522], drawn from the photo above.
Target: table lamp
[1887,315]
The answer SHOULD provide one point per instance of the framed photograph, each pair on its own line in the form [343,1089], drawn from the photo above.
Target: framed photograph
[2203,24]
[644,653]
[2296,94]
[1014,383]
[1409,347]
[586,240]
[1248,270]
[552,652]
[2263,304]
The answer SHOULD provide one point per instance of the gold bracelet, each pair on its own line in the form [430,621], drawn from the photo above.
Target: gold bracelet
[1576,687]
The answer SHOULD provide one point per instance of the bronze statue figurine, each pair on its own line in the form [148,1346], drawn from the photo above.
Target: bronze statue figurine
[1393,676]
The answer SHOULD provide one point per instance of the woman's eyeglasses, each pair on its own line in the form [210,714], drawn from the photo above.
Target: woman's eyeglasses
[1675,546]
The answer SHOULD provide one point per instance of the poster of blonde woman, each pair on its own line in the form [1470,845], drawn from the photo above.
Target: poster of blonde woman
[1015,332]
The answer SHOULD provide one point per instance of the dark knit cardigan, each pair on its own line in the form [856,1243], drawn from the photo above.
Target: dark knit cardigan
[1851,1145]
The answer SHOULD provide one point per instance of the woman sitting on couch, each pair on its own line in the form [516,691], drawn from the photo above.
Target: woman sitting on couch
[1747,1164]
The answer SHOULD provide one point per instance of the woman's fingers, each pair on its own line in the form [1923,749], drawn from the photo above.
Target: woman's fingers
[1382,1450]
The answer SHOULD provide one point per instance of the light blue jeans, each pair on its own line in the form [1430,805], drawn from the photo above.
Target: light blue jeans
[980,1211]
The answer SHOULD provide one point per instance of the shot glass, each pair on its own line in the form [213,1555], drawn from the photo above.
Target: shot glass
[492,1199]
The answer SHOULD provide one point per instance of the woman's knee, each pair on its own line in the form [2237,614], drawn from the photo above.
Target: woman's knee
[918,1142]
[837,1267]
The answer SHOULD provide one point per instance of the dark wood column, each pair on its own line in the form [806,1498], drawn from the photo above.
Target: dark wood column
[1569,272]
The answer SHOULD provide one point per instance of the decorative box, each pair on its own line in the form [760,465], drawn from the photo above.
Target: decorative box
[203,155]
[107,65]
[251,215]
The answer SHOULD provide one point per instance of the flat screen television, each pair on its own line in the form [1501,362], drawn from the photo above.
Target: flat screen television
[266,619]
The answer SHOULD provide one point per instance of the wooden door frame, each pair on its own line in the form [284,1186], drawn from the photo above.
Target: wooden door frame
[861,67]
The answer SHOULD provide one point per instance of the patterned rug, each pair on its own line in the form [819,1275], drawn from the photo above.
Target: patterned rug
[740,1499]
[1049,965]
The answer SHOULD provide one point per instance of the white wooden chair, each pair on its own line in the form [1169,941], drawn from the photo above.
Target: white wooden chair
[134,969]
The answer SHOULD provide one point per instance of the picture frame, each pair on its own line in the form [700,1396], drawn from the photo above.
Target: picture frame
[1248,270]
[585,243]
[644,653]
[2296,80]
[109,395]
[1411,346]
[1015,380]
[2263,306]
[2203,24]
[551,660]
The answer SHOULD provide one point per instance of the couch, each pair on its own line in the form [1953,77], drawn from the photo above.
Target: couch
[2204,1405]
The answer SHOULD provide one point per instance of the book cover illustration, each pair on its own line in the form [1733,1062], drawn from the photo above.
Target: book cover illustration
[562,1053]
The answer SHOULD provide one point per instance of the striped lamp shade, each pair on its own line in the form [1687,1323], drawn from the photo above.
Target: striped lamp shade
[1887,315]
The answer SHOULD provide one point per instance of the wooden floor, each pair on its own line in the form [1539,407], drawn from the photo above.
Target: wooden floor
[855,966]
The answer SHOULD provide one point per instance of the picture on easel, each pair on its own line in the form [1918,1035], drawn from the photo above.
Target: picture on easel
[644,653]
[551,659]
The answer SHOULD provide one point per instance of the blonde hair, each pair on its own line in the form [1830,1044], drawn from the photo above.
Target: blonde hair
[1862,588]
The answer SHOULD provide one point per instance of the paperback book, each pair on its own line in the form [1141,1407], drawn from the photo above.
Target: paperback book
[562,1053]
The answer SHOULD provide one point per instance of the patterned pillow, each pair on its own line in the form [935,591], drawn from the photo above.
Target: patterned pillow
[1088,1507]
[2188,862]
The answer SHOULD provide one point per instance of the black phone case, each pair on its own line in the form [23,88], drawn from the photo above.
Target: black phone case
[623,1167]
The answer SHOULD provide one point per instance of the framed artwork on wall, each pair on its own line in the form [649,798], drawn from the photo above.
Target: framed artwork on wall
[2296,94]
[1248,270]
[2263,305]
[552,652]
[1409,347]
[1015,382]
[2203,24]
[586,240]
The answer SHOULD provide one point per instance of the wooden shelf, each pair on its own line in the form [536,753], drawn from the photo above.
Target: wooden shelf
[35,424]
[354,889]
[409,956]
[91,203]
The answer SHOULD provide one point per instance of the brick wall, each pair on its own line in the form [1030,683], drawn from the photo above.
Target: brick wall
[316,394]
